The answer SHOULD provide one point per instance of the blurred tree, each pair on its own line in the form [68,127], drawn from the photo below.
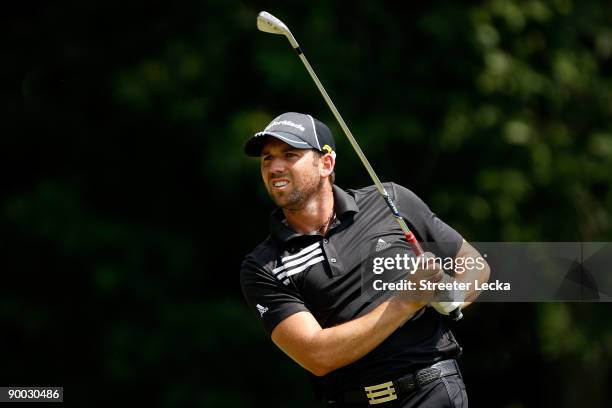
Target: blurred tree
[127,203]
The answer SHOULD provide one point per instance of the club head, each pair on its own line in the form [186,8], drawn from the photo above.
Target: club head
[266,22]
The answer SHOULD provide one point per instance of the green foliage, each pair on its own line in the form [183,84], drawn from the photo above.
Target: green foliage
[128,203]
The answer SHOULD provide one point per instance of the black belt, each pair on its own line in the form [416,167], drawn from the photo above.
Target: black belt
[390,390]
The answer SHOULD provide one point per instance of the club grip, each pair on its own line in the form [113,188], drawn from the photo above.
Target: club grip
[416,247]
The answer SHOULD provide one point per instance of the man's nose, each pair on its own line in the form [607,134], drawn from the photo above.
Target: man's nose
[278,165]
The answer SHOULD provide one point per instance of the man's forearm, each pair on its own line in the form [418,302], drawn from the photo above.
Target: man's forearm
[474,276]
[328,349]
[348,342]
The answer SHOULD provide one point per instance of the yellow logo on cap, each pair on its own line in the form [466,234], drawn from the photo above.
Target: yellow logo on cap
[327,148]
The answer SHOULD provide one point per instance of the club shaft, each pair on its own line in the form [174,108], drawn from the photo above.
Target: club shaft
[381,189]
[343,125]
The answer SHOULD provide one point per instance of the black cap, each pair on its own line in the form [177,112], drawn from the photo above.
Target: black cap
[296,129]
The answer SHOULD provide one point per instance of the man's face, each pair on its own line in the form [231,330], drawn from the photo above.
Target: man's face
[291,176]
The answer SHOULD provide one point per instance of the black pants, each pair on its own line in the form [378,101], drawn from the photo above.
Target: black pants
[442,393]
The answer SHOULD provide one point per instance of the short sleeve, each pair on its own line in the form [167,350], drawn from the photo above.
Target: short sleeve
[268,298]
[438,236]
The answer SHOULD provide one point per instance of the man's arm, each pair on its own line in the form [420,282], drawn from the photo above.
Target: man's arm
[321,351]
[472,275]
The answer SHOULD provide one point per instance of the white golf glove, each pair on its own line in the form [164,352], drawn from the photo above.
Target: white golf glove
[444,308]
[452,300]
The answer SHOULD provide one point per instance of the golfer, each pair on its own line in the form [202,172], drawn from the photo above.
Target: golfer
[304,281]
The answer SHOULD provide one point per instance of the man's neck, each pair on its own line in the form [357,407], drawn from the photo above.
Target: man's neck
[315,216]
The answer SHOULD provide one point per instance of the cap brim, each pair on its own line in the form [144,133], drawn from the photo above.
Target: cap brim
[254,145]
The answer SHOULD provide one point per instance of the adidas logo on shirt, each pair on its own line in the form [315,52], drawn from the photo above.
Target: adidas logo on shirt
[299,262]
[381,244]
[261,310]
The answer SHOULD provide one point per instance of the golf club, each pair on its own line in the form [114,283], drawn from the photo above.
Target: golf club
[266,22]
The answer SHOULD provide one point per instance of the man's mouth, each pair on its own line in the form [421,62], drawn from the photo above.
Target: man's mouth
[279,184]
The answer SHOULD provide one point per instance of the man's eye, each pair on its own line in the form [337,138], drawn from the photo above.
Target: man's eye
[266,158]
[290,155]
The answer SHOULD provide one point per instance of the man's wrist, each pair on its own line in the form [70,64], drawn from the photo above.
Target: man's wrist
[407,308]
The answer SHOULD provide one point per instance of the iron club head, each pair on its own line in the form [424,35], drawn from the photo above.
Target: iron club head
[267,23]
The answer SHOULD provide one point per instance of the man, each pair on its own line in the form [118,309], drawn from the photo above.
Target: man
[305,280]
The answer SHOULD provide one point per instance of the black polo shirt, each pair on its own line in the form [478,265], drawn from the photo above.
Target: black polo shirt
[291,272]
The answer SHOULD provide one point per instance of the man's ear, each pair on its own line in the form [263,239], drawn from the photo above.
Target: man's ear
[328,164]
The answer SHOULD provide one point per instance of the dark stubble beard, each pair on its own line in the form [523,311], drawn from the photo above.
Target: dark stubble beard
[298,198]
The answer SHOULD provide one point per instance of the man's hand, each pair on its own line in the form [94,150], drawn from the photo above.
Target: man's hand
[469,276]
[426,271]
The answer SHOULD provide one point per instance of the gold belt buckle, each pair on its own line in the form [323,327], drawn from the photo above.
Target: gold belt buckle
[377,394]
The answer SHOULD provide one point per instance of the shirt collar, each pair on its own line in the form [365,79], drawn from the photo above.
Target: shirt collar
[344,203]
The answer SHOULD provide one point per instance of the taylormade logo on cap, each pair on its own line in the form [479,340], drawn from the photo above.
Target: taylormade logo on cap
[286,123]
[298,130]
